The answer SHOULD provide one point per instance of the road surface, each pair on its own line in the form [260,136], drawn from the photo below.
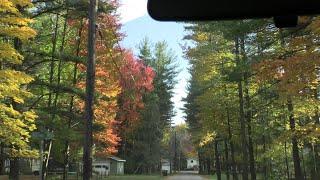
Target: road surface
[186,175]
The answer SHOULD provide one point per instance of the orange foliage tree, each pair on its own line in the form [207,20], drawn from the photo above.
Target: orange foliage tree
[107,83]
[137,79]
[121,81]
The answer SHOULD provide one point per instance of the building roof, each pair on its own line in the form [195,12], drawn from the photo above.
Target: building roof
[165,160]
[116,159]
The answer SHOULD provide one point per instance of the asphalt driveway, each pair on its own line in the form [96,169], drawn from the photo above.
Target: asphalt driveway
[186,175]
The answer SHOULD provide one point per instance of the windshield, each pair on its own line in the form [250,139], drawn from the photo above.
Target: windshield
[109,91]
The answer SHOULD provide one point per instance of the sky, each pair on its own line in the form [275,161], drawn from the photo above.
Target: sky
[137,25]
[132,9]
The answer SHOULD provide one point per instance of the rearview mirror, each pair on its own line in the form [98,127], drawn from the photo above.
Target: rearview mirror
[191,10]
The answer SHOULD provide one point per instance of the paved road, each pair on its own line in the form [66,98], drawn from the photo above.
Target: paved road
[186,175]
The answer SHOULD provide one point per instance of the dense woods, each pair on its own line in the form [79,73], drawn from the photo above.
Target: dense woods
[253,99]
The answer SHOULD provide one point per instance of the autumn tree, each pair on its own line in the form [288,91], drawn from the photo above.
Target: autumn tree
[17,122]
[59,67]
[137,86]
[142,142]
[273,75]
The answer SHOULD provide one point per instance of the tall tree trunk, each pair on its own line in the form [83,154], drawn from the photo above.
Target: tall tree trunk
[200,162]
[248,115]
[90,83]
[51,74]
[179,161]
[71,104]
[170,163]
[242,118]
[52,63]
[208,165]
[231,165]
[226,151]
[250,143]
[286,159]
[14,169]
[315,147]
[295,148]
[314,170]
[265,175]
[14,162]
[2,154]
[233,162]
[55,101]
[67,151]
[304,166]
[2,159]
[217,156]
[285,150]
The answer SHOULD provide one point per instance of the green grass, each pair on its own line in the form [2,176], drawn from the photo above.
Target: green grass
[124,177]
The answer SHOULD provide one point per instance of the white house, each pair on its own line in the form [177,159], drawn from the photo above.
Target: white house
[101,168]
[165,165]
[109,165]
[192,163]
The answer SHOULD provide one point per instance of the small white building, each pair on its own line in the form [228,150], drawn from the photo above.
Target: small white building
[165,165]
[101,168]
[192,163]
[110,165]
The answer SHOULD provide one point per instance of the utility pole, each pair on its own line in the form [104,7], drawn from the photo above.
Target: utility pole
[179,169]
[217,163]
[41,160]
[90,83]
[175,151]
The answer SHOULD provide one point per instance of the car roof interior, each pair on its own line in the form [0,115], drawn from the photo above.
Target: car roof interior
[284,12]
